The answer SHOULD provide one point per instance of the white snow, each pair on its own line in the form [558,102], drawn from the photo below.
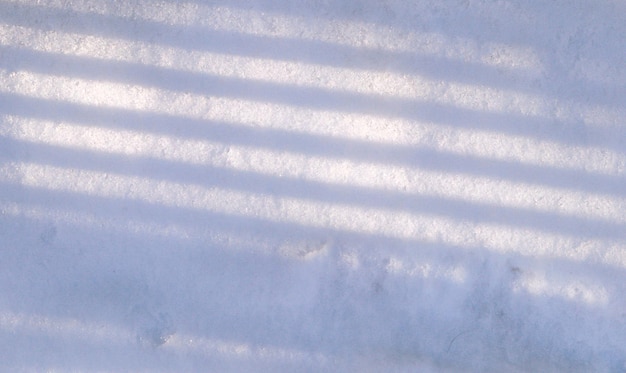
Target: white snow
[255,185]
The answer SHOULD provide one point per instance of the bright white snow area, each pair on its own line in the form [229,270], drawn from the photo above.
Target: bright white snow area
[323,186]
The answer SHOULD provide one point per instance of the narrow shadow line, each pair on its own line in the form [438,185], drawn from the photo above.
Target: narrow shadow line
[296,96]
[273,231]
[285,49]
[186,294]
[311,145]
[450,69]
[361,197]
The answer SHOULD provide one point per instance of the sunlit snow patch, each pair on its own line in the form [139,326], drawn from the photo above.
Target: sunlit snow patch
[366,36]
[570,289]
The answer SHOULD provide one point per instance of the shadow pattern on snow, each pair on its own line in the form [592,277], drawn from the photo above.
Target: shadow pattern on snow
[225,277]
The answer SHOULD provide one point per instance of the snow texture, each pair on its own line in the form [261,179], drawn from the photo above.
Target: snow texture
[272,185]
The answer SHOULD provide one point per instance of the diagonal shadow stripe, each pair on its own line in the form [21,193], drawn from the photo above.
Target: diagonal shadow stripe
[187,293]
[573,88]
[311,144]
[253,182]
[273,231]
[296,96]
[286,49]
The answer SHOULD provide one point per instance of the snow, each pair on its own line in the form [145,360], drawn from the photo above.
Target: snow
[253,185]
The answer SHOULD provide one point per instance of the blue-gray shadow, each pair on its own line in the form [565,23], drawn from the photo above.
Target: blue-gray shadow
[311,144]
[210,288]
[353,195]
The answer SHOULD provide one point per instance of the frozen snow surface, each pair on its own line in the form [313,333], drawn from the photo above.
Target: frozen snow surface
[324,186]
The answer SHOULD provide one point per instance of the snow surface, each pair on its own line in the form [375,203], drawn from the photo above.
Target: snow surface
[272,185]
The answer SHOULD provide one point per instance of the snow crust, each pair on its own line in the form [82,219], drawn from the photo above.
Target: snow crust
[255,185]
